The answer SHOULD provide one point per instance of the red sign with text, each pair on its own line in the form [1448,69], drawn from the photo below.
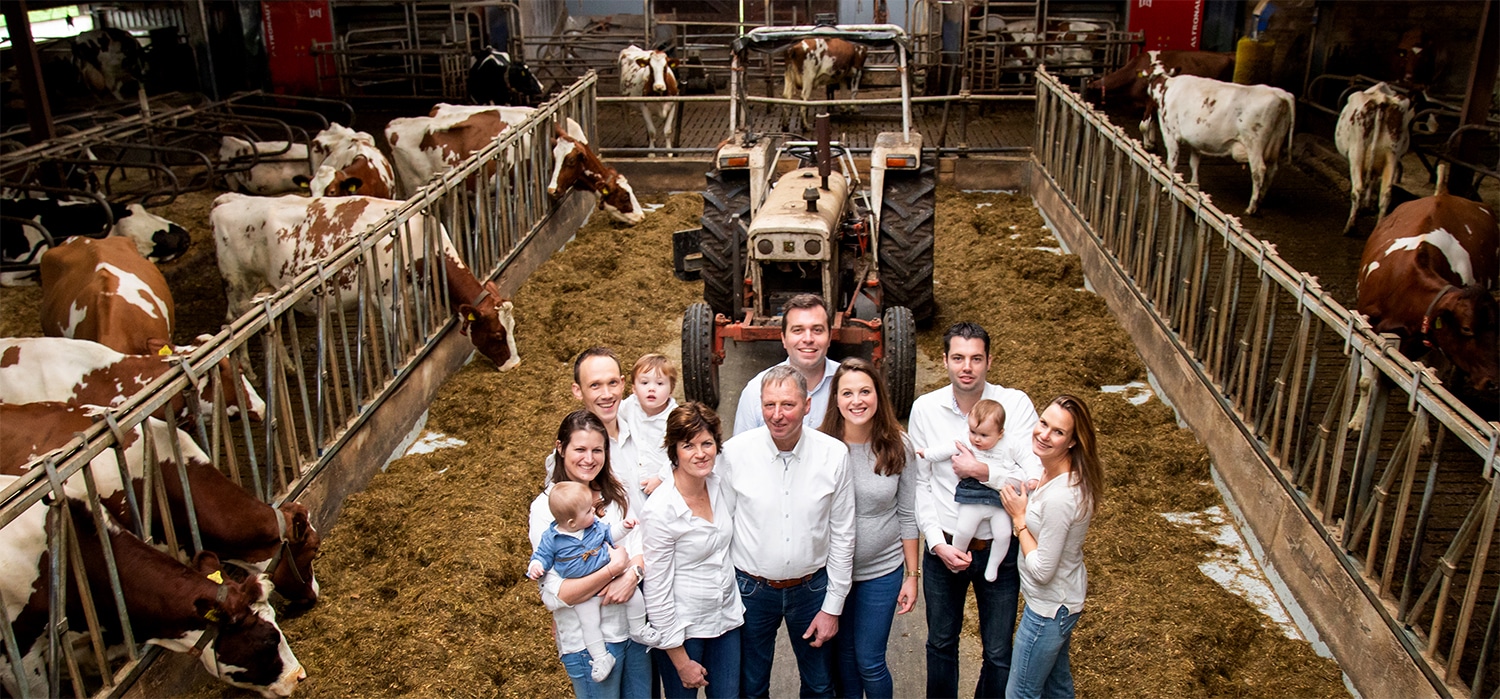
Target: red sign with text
[290,27]
[1169,25]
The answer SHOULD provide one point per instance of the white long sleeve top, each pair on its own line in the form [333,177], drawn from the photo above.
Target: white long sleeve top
[1053,574]
[613,624]
[690,588]
[747,415]
[1002,459]
[647,432]
[794,511]
[935,420]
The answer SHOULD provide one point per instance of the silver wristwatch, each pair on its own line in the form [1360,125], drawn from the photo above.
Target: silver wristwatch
[640,575]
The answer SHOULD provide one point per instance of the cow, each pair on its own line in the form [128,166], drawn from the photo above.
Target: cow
[154,237]
[649,73]
[1250,123]
[1427,273]
[1373,132]
[1414,64]
[103,290]
[274,173]
[1024,32]
[497,78]
[1134,77]
[280,542]
[812,62]
[168,604]
[574,164]
[110,62]
[264,243]
[346,161]
[83,372]
[424,147]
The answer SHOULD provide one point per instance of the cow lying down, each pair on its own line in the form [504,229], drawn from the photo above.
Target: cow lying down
[154,237]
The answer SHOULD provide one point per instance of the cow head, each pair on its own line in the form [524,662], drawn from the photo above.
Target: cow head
[1414,64]
[568,155]
[250,650]
[156,238]
[331,182]
[293,576]
[519,79]
[228,375]
[660,68]
[617,199]
[491,325]
[335,138]
[1465,326]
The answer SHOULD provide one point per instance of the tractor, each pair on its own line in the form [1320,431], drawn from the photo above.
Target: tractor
[783,215]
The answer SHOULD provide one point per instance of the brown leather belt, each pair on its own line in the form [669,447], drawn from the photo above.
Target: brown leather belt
[781,584]
[974,544]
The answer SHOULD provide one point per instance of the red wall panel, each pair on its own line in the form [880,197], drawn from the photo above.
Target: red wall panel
[1169,25]
[290,27]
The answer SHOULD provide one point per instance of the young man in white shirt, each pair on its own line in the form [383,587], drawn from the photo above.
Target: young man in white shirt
[806,331]
[599,383]
[793,547]
[940,418]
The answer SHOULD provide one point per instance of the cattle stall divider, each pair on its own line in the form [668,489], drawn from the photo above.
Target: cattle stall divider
[1301,404]
[343,380]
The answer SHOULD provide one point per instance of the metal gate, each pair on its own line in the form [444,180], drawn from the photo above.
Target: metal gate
[321,371]
[1382,459]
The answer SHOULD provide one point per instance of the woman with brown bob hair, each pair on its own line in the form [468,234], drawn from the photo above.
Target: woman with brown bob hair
[581,455]
[691,594]
[883,468]
[1050,525]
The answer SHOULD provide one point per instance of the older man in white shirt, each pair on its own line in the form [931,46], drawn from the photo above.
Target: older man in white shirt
[793,548]
[806,331]
[940,418]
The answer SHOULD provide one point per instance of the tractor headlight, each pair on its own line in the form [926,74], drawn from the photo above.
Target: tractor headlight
[814,247]
[765,247]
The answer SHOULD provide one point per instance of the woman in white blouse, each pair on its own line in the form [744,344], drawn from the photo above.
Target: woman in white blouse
[582,455]
[691,596]
[1050,526]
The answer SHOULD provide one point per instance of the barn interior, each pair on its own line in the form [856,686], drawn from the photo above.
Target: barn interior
[147,129]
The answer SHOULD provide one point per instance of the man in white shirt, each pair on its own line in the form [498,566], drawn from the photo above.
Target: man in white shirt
[806,330]
[599,383]
[793,547]
[940,418]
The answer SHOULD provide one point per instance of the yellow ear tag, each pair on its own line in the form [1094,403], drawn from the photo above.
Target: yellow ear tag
[217,576]
[604,191]
[1437,323]
[212,615]
[165,351]
[471,317]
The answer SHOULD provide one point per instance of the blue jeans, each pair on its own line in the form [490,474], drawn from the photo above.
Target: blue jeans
[864,630]
[720,658]
[944,592]
[1039,666]
[631,678]
[765,608]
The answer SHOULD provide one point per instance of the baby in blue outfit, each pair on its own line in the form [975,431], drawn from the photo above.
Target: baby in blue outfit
[577,545]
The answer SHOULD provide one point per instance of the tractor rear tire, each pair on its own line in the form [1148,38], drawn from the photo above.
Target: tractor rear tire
[898,341]
[726,218]
[906,237]
[700,375]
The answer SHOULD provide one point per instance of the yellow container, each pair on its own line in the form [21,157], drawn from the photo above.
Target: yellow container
[1252,60]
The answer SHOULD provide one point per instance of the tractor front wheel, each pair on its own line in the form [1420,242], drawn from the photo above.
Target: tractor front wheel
[700,375]
[898,341]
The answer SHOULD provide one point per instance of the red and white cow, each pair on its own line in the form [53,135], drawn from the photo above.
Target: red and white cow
[812,62]
[263,243]
[1427,274]
[649,73]
[574,164]
[154,237]
[1250,123]
[168,604]
[346,161]
[1373,132]
[1064,58]
[1134,77]
[276,165]
[103,290]
[83,372]
[232,522]
[424,147]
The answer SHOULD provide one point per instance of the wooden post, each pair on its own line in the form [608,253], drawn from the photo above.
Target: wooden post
[1477,97]
[38,112]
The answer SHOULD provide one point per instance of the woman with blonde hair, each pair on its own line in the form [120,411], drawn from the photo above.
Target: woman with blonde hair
[1050,526]
[883,468]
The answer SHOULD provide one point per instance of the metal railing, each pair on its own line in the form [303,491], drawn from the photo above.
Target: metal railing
[324,361]
[1291,363]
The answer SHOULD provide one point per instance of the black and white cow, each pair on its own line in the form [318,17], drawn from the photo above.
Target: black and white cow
[498,78]
[110,61]
[156,238]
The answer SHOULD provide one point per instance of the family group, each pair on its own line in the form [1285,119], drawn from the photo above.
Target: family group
[670,556]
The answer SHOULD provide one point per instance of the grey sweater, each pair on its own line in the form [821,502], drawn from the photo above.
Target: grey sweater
[884,513]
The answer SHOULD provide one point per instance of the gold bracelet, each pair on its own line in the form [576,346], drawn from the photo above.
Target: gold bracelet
[913,573]
[1021,529]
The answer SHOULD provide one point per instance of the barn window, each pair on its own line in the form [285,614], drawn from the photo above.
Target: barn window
[53,23]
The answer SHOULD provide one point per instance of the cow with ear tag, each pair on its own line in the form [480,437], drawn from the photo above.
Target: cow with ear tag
[574,164]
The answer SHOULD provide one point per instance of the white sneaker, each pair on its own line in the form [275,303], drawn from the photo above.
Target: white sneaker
[647,635]
[601,667]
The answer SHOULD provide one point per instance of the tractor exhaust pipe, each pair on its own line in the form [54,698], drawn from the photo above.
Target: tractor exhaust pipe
[822,126]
